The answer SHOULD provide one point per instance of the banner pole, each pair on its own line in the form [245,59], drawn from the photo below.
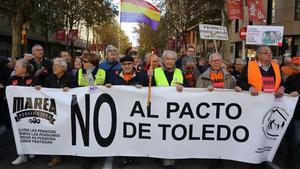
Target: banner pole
[150,82]
[243,41]
[216,48]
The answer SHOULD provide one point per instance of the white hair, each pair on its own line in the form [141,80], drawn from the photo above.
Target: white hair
[211,55]
[62,62]
[35,46]
[169,53]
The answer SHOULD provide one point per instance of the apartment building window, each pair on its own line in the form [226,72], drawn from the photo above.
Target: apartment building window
[271,12]
[297,10]
[237,26]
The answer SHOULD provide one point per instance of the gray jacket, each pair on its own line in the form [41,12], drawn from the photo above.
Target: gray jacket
[204,80]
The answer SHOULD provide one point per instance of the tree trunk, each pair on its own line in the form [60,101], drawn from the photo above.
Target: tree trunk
[87,36]
[226,44]
[16,26]
[47,48]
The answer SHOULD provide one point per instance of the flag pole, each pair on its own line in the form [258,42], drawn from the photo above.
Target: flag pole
[243,41]
[119,41]
[150,82]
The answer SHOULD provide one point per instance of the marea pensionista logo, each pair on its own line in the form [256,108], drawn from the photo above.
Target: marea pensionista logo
[34,109]
[274,122]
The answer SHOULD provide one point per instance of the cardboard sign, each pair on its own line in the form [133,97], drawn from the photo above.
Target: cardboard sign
[213,32]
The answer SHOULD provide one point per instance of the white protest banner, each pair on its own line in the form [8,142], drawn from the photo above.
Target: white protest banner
[264,35]
[98,121]
[213,32]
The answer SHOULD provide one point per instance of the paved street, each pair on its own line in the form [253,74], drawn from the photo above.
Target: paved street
[8,154]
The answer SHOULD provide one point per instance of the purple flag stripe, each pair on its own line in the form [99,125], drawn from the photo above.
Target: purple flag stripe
[138,17]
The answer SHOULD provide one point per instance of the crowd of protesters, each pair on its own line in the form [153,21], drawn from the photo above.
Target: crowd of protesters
[261,74]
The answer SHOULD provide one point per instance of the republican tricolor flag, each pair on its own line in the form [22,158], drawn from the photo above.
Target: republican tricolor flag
[140,11]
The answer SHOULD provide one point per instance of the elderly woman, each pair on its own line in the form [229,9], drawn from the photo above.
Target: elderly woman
[111,62]
[90,74]
[190,71]
[22,77]
[59,79]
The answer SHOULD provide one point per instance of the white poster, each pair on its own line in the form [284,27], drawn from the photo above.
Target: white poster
[98,121]
[213,32]
[264,35]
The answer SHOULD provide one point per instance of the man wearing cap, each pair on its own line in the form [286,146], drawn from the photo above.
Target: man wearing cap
[262,74]
[128,75]
[110,64]
[292,87]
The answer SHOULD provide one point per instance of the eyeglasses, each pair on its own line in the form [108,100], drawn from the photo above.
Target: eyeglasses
[126,64]
[217,60]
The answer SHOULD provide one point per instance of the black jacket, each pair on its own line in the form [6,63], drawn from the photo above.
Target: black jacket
[292,84]
[22,81]
[64,81]
[139,78]
[243,79]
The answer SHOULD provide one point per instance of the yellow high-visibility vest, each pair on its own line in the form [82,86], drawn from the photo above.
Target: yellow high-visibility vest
[161,79]
[99,78]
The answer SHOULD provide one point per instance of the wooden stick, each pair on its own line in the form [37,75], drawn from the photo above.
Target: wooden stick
[216,48]
[150,81]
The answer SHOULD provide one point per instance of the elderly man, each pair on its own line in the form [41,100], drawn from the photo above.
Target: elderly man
[111,63]
[42,67]
[168,75]
[59,79]
[128,75]
[215,76]
[262,74]
[238,67]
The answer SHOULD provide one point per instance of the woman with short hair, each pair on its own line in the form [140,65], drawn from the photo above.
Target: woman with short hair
[22,77]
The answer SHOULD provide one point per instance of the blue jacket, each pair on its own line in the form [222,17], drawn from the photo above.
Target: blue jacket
[110,66]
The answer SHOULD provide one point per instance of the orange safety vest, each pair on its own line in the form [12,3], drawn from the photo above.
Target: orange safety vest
[255,77]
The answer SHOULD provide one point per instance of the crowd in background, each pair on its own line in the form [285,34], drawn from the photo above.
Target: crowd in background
[66,71]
